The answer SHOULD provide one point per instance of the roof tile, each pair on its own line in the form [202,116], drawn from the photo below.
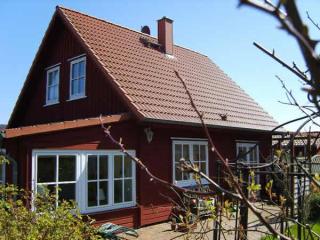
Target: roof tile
[146,76]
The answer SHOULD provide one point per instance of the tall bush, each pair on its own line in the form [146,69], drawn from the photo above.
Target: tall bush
[47,220]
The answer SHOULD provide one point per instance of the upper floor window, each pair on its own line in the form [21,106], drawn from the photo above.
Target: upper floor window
[52,95]
[196,152]
[78,78]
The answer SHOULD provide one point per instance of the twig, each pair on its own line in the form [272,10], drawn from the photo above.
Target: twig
[154,178]
[312,21]
[291,69]
[226,165]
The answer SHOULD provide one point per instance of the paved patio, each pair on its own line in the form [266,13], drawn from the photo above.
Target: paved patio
[163,231]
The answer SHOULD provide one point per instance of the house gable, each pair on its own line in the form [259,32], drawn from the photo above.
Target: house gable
[144,82]
[145,75]
[59,46]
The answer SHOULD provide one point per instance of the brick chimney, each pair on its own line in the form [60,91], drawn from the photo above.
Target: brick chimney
[165,34]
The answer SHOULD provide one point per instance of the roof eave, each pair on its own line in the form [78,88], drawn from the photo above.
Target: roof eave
[195,124]
[65,125]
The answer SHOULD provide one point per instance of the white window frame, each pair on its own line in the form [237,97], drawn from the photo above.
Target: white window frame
[190,142]
[3,169]
[248,145]
[57,182]
[48,71]
[111,204]
[73,62]
[81,194]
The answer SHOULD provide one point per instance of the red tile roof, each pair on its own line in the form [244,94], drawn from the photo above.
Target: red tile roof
[65,125]
[146,77]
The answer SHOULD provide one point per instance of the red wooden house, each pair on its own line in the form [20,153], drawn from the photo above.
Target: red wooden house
[87,67]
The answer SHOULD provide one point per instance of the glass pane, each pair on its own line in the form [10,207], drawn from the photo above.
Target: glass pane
[186,176]
[1,172]
[67,191]
[75,70]
[81,86]
[92,194]
[74,87]
[178,173]
[203,167]
[103,193]
[50,79]
[186,152]
[253,154]
[103,167]
[67,168]
[92,167]
[118,166]
[118,191]
[41,188]
[81,68]
[50,93]
[203,153]
[55,92]
[178,152]
[55,77]
[241,153]
[46,169]
[127,167]
[128,190]
[195,153]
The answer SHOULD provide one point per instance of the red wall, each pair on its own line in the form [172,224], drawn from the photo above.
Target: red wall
[151,207]
[59,47]
[157,155]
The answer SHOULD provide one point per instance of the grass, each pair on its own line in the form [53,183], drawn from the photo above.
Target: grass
[294,232]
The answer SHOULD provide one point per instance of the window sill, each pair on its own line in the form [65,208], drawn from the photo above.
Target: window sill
[99,210]
[76,98]
[50,104]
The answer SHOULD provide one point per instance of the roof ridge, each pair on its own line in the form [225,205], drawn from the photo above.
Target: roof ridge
[124,27]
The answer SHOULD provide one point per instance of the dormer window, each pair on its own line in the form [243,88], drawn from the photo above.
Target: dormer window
[52,95]
[78,78]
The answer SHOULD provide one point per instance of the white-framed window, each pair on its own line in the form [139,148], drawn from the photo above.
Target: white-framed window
[52,89]
[78,78]
[2,170]
[96,180]
[57,171]
[193,150]
[248,153]
[251,157]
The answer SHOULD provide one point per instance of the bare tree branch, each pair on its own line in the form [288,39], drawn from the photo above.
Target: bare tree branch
[226,165]
[313,22]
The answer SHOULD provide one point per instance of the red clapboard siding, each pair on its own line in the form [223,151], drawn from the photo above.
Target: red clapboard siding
[155,214]
[157,155]
[126,217]
[60,46]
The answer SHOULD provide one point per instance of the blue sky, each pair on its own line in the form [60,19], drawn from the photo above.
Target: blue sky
[215,28]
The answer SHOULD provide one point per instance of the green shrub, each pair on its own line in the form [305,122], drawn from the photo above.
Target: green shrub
[312,207]
[46,221]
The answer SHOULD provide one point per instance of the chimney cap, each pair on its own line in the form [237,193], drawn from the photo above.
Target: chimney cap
[165,19]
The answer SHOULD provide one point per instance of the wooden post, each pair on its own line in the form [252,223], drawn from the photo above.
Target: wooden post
[292,178]
[244,208]
[216,226]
